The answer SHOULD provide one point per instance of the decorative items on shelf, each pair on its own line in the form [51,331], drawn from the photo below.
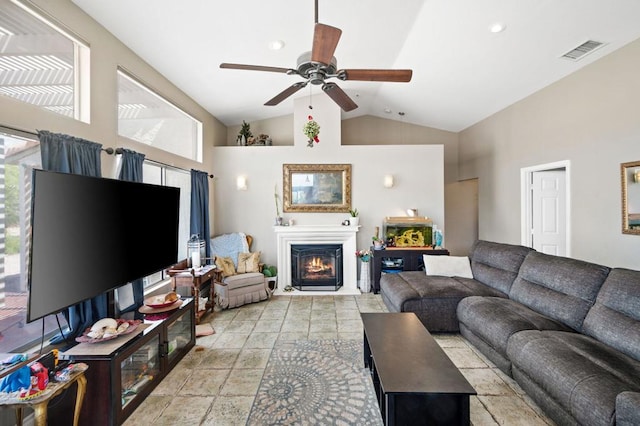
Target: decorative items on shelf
[195,251]
[246,138]
[311,130]
[245,134]
[354,220]
[437,237]
[263,140]
[364,255]
[378,244]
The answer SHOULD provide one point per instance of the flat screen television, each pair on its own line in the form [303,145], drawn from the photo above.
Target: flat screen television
[91,235]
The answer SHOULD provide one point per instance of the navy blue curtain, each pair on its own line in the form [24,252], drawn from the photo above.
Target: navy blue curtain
[68,154]
[131,170]
[131,166]
[199,223]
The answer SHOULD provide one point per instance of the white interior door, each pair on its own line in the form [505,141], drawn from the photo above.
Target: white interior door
[549,215]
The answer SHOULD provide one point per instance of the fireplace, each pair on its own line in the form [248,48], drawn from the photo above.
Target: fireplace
[288,236]
[316,266]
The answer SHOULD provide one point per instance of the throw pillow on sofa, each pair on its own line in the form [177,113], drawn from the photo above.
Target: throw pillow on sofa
[248,262]
[447,266]
[226,265]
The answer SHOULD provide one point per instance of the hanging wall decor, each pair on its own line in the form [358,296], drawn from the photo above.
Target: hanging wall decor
[316,187]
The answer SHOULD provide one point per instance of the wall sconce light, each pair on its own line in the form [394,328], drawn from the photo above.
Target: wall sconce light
[388,181]
[241,183]
[636,176]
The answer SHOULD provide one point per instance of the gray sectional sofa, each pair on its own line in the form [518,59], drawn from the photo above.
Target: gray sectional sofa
[566,330]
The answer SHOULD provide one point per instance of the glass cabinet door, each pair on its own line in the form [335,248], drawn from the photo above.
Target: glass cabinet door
[179,334]
[138,370]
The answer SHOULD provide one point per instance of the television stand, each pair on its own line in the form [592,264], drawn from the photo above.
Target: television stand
[122,374]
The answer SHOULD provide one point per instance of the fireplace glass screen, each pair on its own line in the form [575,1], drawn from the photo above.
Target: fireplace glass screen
[316,266]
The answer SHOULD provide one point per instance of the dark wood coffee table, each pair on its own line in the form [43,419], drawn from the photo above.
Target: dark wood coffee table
[415,382]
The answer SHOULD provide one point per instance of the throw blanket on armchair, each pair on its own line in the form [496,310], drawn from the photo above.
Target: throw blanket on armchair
[229,245]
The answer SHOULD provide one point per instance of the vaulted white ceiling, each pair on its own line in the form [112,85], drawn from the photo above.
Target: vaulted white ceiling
[462,72]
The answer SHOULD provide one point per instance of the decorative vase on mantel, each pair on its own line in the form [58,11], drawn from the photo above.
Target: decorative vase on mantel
[354,221]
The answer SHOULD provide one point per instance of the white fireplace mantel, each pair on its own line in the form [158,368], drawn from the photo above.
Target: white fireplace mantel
[317,234]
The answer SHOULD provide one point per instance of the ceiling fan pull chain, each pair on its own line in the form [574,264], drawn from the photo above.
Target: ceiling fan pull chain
[310,97]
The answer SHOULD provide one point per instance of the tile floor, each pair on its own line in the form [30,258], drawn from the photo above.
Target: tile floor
[215,384]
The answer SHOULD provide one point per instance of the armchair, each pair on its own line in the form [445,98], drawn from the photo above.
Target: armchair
[239,279]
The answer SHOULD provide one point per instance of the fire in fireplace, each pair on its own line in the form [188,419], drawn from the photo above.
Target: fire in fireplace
[316,266]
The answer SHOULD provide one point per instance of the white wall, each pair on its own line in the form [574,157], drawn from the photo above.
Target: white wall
[253,211]
[417,169]
[589,118]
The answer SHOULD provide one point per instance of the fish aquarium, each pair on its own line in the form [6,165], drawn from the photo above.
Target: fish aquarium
[407,231]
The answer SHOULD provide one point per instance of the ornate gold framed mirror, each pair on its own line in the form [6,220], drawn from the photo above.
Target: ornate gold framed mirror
[316,187]
[630,175]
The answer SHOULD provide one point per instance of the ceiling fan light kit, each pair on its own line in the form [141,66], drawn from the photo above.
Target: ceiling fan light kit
[319,65]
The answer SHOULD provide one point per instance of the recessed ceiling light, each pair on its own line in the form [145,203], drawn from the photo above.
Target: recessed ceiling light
[276,44]
[497,27]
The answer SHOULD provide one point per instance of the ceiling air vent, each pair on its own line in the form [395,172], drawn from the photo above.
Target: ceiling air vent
[582,50]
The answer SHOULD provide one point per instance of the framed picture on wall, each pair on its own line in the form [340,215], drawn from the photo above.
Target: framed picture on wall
[316,187]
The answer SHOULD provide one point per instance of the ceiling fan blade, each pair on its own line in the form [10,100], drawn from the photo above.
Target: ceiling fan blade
[286,93]
[398,76]
[254,68]
[339,96]
[325,41]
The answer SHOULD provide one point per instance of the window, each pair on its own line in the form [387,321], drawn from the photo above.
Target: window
[161,174]
[18,156]
[42,64]
[146,117]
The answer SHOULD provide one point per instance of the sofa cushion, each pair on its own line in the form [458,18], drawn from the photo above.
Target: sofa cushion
[225,264]
[476,288]
[561,288]
[628,409]
[447,266]
[248,262]
[495,264]
[494,320]
[615,317]
[432,298]
[582,374]
[244,280]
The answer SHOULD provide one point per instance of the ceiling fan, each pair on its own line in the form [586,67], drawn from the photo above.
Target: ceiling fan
[319,65]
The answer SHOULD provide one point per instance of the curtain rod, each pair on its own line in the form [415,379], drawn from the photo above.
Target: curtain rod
[108,150]
[118,151]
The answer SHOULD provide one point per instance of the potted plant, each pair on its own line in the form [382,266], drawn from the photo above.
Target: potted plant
[245,133]
[271,274]
[378,244]
[354,220]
